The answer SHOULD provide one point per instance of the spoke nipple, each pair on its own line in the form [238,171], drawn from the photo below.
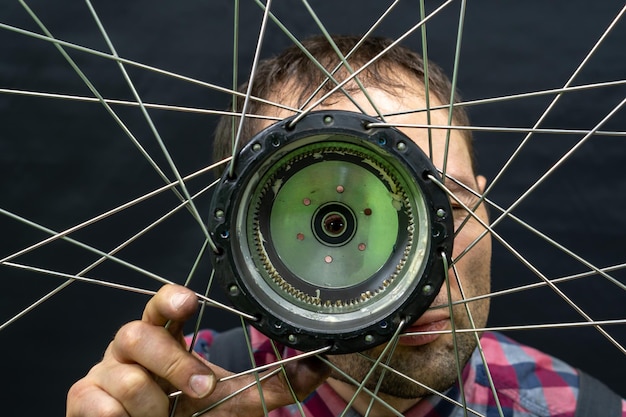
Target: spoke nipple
[219,214]
[292,338]
[369,338]
[256,147]
[401,146]
[441,213]
[328,120]
[275,139]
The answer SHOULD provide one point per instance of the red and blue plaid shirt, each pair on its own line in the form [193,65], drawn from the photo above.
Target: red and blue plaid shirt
[529,383]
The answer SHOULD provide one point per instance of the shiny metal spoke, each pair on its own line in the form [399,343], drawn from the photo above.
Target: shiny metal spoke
[518,96]
[150,68]
[316,103]
[177,185]
[536,232]
[64,234]
[99,261]
[185,192]
[96,281]
[530,266]
[556,99]
[127,103]
[247,98]
[479,347]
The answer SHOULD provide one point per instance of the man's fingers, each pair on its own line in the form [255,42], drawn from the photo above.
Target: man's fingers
[84,399]
[135,388]
[154,349]
[171,303]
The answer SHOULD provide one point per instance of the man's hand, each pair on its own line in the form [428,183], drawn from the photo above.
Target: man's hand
[146,361]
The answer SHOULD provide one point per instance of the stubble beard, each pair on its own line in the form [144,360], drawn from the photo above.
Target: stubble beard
[434,365]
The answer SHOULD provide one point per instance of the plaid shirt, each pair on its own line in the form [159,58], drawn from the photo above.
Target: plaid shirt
[529,384]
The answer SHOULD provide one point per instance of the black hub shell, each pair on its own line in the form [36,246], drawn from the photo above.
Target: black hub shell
[233,272]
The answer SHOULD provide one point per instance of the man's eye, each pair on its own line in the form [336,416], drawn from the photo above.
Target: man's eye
[459,214]
[456,208]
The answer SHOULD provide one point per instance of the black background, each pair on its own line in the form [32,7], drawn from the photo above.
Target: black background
[64,162]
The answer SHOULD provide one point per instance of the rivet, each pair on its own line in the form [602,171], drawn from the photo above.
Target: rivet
[427,289]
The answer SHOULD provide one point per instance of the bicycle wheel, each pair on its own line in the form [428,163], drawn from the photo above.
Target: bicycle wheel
[544,87]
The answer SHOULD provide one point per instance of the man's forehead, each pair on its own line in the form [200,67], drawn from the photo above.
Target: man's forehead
[404,107]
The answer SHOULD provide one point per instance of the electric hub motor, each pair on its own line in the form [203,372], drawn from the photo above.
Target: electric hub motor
[330,232]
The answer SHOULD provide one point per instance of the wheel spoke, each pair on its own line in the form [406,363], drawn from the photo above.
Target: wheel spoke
[555,100]
[343,80]
[479,347]
[329,75]
[246,102]
[150,68]
[453,328]
[518,96]
[537,233]
[64,234]
[530,267]
[364,67]
[185,192]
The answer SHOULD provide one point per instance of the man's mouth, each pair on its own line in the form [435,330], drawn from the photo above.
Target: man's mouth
[419,334]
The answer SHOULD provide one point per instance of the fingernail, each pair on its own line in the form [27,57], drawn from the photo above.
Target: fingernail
[178,300]
[201,384]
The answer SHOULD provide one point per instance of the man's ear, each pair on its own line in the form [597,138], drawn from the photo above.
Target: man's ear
[481,181]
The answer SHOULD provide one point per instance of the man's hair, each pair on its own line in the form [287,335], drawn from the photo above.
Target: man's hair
[294,68]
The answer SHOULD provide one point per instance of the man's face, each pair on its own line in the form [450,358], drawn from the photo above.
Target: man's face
[429,359]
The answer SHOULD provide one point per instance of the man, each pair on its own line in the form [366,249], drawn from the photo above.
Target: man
[147,360]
